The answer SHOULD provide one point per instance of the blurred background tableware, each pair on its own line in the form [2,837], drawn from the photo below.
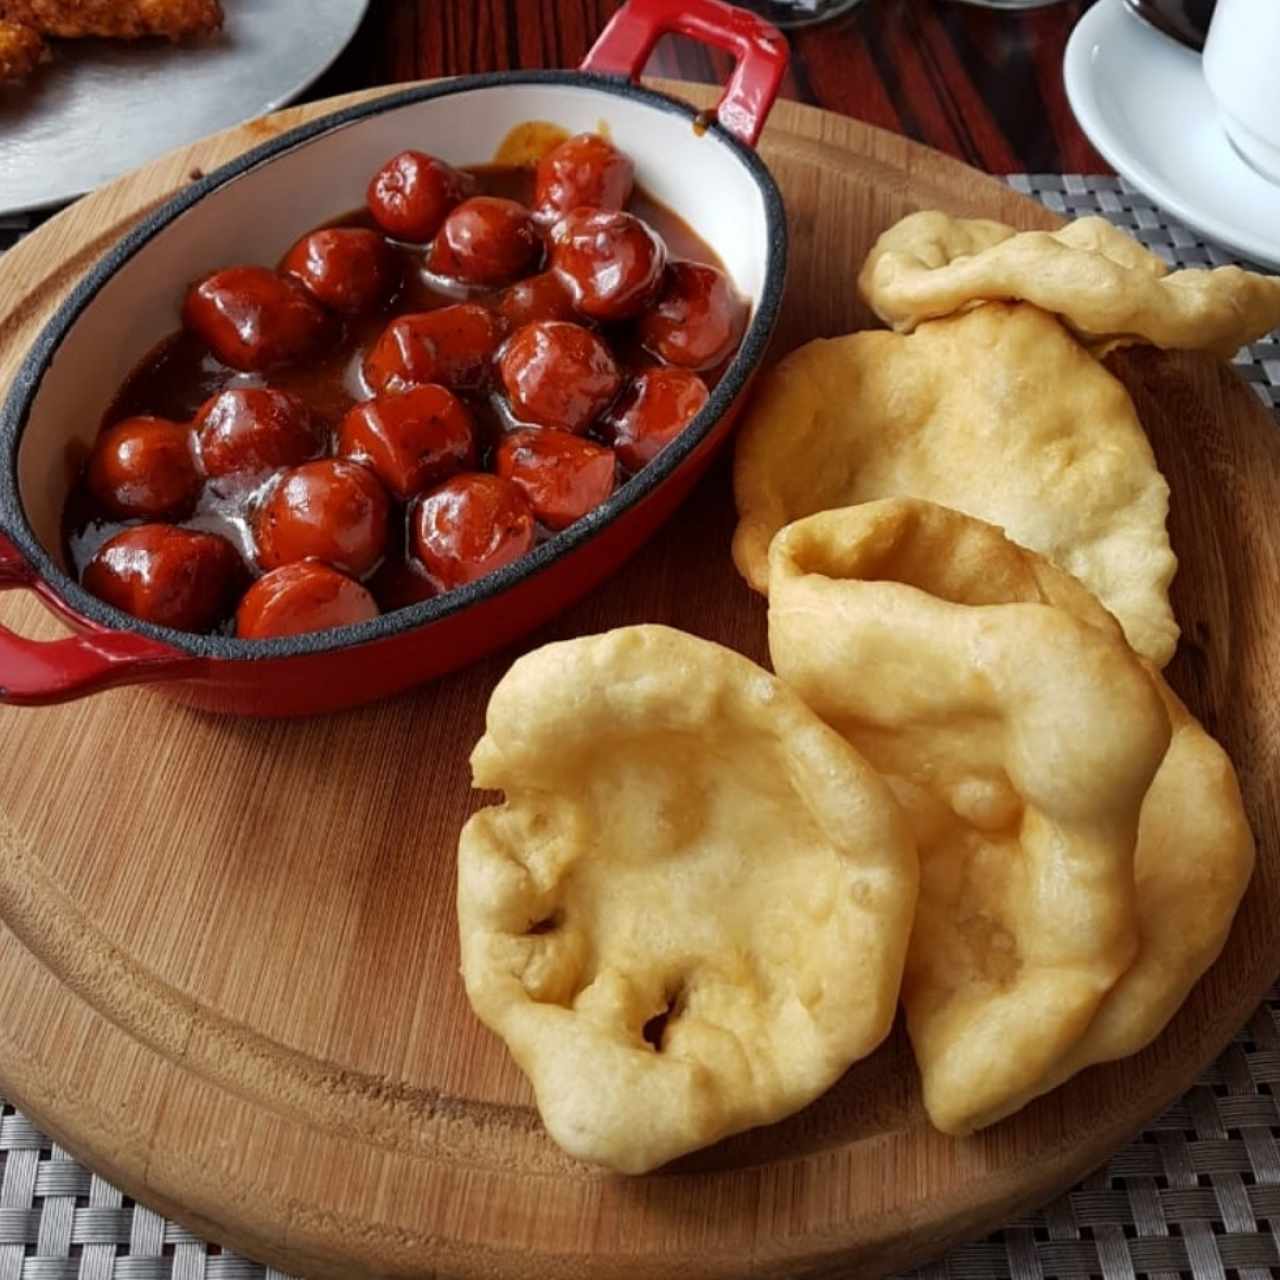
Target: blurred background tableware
[1242,70]
[1143,102]
[1011,4]
[1185,20]
[790,14]
[100,108]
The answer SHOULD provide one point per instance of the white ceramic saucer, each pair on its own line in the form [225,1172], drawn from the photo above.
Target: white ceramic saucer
[1143,102]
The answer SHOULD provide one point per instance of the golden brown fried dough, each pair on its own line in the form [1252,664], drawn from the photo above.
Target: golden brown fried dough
[1194,859]
[1102,283]
[1019,740]
[997,412]
[682,841]
[116,19]
[1065,908]
[21,51]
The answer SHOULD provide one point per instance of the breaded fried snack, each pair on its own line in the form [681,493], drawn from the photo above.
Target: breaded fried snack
[21,51]
[116,19]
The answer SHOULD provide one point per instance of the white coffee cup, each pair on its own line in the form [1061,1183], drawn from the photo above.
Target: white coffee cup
[1242,69]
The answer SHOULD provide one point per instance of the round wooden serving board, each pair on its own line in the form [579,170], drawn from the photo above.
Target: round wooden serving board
[228,961]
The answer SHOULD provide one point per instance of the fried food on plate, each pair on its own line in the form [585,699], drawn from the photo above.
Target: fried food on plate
[1066,906]
[691,912]
[1193,863]
[1102,283]
[21,51]
[1019,740]
[116,19]
[997,412]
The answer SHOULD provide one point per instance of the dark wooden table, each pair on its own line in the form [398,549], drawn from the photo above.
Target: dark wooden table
[982,85]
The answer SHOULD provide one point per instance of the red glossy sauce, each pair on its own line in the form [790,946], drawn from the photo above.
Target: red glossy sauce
[181,374]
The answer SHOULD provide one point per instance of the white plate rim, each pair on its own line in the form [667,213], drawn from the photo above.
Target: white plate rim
[286,93]
[1078,76]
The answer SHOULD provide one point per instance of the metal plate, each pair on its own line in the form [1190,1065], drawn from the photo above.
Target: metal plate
[102,108]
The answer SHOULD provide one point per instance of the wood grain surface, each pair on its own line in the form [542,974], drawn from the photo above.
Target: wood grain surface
[228,962]
[979,84]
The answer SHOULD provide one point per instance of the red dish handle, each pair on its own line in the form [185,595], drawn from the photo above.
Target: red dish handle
[35,673]
[759,47]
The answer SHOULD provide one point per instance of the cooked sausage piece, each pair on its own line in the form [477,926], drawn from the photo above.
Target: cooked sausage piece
[611,262]
[410,439]
[653,410]
[485,241]
[558,374]
[453,346]
[583,170]
[331,510]
[541,297]
[411,194]
[248,430]
[300,597]
[145,467]
[173,577]
[698,317]
[469,526]
[253,318]
[350,270]
[563,476]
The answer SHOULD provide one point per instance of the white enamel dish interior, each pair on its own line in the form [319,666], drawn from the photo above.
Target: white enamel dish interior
[257,215]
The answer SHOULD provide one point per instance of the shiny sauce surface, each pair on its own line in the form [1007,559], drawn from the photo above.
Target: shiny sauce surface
[180,374]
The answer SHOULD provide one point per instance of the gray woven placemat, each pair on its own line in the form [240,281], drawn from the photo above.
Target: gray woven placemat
[1195,1195]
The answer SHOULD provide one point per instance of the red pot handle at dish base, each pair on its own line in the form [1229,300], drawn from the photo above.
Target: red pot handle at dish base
[759,47]
[37,672]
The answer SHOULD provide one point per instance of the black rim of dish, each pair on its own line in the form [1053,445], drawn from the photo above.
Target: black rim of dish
[26,384]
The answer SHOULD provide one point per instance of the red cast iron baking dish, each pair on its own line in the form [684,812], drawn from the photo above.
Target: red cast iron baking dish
[251,210]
